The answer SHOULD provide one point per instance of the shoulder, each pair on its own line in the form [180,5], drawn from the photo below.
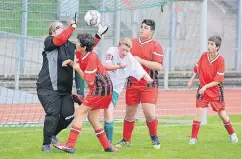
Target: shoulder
[48,39]
[157,44]
[135,41]
[112,50]
[221,59]
[204,55]
[91,57]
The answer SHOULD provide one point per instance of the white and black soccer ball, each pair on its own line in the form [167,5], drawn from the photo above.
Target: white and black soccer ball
[92,18]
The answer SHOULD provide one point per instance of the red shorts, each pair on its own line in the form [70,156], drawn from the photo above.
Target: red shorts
[136,95]
[214,104]
[97,102]
[217,103]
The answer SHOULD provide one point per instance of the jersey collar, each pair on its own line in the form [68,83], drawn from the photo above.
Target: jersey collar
[211,61]
[145,41]
[83,58]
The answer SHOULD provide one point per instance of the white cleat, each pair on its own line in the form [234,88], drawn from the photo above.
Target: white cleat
[233,138]
[192,141]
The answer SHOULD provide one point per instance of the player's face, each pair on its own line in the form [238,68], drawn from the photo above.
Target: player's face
[212,47]
[145,31]
[58,29]
[123,50]
[79,48]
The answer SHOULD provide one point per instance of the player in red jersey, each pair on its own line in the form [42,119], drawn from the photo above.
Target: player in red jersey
[210,70]
[99,97]
[150,55]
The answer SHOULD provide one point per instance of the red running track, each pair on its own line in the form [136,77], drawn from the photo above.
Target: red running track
[170,103]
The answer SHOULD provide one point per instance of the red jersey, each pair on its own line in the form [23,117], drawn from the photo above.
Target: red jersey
[95,72]
[209,71]
[150,50]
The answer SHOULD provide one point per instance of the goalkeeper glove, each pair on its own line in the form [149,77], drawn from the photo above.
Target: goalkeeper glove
[102,30]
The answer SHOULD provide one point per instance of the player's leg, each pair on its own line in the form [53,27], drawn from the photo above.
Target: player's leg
[220,108]
[80,114]
[108,117]
[108,122]
[200,104]
[128,126]
[93,117]
[132,101]
[148,99]
[51,103]
[66,116]
[196,125]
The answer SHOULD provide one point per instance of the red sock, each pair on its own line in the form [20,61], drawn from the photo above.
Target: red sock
[229,127]
[128,129]
[195,128]
[74,132]
[102,137]
[152,125]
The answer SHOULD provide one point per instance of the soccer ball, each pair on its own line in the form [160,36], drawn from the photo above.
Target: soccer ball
[92,18]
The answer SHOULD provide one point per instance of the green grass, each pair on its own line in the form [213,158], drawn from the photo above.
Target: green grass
[213,143]
[40,14]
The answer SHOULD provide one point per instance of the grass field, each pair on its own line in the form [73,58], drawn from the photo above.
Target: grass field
[25,143]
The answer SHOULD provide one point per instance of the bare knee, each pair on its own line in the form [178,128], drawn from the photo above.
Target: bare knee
[199,114]
[223,116]
[149,111]
[131,112]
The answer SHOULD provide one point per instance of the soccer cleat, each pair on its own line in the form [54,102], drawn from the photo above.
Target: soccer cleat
[111,149]
[54,140]
[192,141]
[46,148]
[123,143]
[77,99]
[234,138]
[155,142]
[64,147]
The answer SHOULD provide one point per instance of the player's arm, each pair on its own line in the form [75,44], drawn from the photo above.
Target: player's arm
[88,75]
[218,79]
[53,42]
[109,66]
[109,63]
[101,31]
[191,81]
[157,59]
[135,69]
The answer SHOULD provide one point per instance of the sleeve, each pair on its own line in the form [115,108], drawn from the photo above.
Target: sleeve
[220,71]
[157,55]
[136,70]
[48,44]
[195,67]
[97,39]
[109,56]
[91,69]
[63,36]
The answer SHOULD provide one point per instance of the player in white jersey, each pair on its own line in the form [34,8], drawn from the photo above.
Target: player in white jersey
[120,64]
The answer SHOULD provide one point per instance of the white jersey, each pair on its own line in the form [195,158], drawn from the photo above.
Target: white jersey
[119,76]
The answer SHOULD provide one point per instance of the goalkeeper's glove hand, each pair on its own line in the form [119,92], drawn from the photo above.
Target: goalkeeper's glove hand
[102,30]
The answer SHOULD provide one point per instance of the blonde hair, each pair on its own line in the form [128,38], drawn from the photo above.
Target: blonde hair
[126,42]
[53,25]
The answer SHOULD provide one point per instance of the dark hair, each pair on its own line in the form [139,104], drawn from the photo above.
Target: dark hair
[149,22]
[87,40]
[217,39]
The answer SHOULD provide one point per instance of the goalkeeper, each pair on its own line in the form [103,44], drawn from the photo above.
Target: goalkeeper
[54,84]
